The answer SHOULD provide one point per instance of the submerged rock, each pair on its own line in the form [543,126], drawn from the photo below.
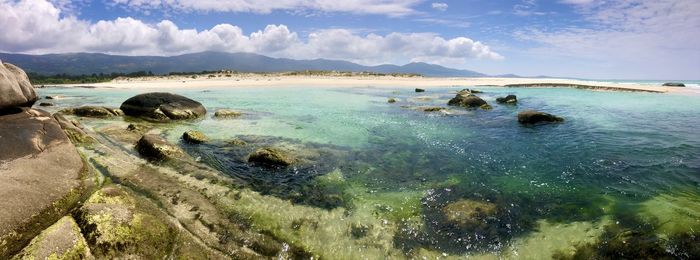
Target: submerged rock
[534,117]
[156,148]
[62,240]
[468,212]
[46,104]
[195,137]
[161,106]
[226,114]
[432,109]
[269,156]
[468,101]
[93,111]
[391,100]
[420,90]
[41,177]
[510,99]
[673,84]
[15,88]
[118,225]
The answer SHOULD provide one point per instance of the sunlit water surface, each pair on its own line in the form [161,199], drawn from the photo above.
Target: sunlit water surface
[626,158]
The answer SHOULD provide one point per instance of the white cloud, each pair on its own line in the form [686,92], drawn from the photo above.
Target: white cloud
[440,6]
[36,26]
[654,37]
[381,7]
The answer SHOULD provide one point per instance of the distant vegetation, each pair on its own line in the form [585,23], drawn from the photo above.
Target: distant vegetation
[39,79]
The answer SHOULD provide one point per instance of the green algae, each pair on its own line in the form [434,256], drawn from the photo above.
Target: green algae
[62,240]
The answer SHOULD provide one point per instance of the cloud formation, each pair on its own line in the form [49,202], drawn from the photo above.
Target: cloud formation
[380,7]
[36,26]
[439,6]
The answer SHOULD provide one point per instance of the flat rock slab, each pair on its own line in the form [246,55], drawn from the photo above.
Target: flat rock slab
[62,240]
[40,176]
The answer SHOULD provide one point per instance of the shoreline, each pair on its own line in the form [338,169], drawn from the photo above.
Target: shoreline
[265,80]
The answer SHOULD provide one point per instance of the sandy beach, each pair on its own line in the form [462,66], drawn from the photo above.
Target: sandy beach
[272,80]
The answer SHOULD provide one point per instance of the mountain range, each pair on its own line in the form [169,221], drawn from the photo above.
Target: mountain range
[89,63]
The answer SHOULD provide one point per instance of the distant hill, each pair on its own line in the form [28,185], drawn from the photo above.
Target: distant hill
[89,63]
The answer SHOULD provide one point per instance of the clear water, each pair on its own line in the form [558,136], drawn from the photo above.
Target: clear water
[630,157]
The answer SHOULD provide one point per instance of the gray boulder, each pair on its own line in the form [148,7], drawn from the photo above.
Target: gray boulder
[41,177]
[510,99]
[15,88]
[162,106]
[535,117]
[468,101]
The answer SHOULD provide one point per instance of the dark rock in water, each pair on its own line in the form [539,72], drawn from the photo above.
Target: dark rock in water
[391,100]
[236,142]
[161,106]
[194,137]
[15,88]
[54,97]
[41,178]
[93,111]
[432,109]
[510,99]
[46,104]
[534,117]
[420,90]
[269,156]
[156,148]
[673,84]
[467,91]
[226,113]
[468,101]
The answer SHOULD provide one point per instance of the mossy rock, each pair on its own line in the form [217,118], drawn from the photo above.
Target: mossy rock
[119,225]
[195,137]
[468,212]
[62,240]
[227,114]
[270,156]
[154,147]
[93,111]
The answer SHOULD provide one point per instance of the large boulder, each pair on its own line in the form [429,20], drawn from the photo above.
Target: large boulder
[41,177]
[194,137]
[510,99]
[15,88]
[535,117]
[468,101]
[154,147]
[161,106]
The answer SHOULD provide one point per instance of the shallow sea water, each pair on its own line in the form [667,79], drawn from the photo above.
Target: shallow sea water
[620,161]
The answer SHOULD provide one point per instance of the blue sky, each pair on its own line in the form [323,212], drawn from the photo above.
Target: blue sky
[610,39]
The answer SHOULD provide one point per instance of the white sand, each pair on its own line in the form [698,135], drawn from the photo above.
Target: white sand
[272,80]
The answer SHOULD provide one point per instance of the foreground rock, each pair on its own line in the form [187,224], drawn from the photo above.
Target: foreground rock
[15,88]
[535,117]
[119,225]
[154,147]
[62,240]
[195,137]
[269,156]
[161,106]
[468,101]
[93,111]
[510,99]
[41,177]
[673,84]
[226,114]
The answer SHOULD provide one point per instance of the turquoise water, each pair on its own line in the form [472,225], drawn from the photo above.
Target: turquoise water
[630,157]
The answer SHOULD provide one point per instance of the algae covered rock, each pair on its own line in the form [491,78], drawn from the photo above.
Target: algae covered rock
[226,114]
[160,106]
[270,156]
[194,137]
[74,130]
[468,212]
[41,178]
[117,224]
[155,147]
[15,88]
[535,117]
[62,240]
[93,111]
[468,101]
[510,99]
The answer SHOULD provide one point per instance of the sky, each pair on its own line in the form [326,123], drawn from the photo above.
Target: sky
[594,39]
